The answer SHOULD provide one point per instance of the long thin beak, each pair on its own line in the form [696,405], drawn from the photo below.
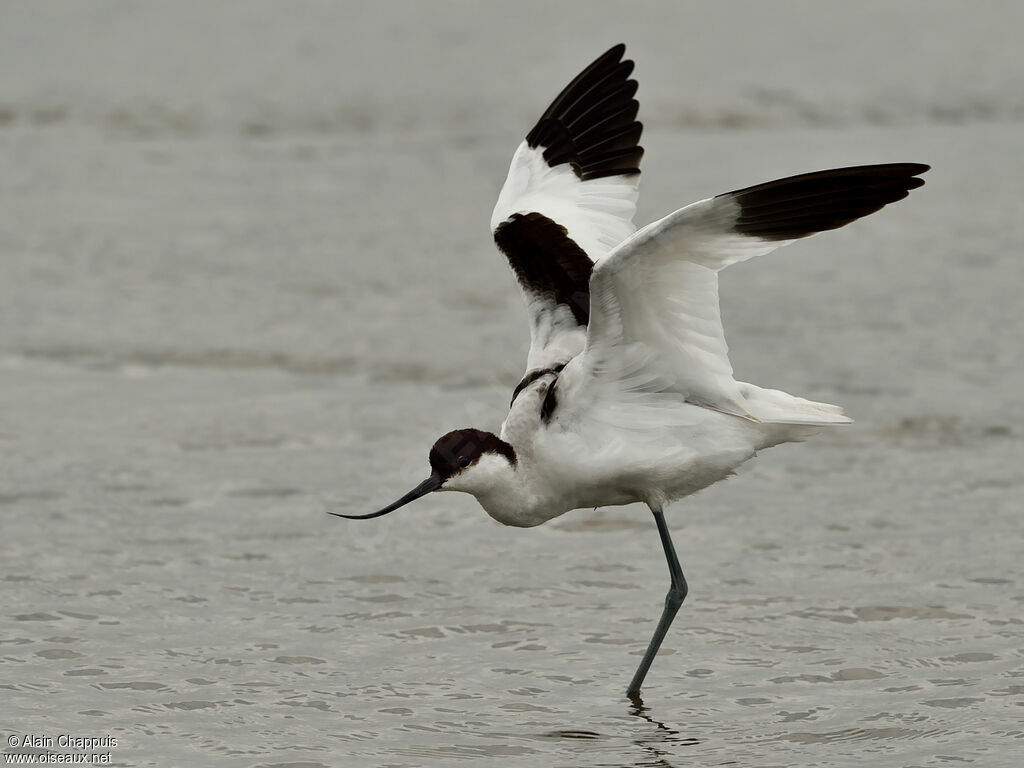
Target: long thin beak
[432,483]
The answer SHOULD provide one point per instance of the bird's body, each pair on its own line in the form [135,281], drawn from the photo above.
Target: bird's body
[628,394]
[561,467]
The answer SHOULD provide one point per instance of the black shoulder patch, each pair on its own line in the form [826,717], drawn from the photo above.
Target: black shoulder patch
[799,206]
[461,448]
[592,123]
[546,261]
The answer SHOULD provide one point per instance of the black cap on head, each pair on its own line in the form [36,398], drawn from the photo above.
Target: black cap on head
[462,447]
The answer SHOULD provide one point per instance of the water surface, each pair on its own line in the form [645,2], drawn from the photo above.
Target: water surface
[247,279]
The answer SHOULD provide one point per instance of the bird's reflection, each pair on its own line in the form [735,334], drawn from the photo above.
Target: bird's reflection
[661,743]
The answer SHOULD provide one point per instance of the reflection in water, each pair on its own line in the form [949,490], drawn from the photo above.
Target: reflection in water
[572,734]
[662,742]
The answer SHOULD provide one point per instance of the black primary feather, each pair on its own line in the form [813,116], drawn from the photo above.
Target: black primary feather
[802,205]
[592,123]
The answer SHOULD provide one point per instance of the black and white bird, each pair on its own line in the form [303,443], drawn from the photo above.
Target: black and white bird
[628,394]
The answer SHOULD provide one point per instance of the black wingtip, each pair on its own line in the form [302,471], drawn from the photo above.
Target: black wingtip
[798,206]
[592,123]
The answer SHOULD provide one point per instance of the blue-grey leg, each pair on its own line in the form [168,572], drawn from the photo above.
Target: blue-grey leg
[676,594]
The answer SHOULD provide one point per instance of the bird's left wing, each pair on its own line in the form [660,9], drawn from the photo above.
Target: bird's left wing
[569,199]
[655,335]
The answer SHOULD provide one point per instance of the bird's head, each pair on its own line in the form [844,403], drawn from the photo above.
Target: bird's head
[467,460]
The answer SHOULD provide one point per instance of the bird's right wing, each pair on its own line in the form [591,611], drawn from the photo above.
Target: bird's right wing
[569,199]
[655,332]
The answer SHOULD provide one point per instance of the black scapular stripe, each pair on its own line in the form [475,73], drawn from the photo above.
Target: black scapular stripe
[531,377]
[547,408]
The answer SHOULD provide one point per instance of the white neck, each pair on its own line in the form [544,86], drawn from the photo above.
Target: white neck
[501,490]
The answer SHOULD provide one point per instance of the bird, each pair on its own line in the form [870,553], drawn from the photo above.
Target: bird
[628,394]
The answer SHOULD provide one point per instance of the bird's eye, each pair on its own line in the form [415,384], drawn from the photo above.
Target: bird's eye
[463,461]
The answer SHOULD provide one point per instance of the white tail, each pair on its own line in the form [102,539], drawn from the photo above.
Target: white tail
[773,406]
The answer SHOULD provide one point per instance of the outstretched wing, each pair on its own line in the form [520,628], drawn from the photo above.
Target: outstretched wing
[655,331]
[569,199]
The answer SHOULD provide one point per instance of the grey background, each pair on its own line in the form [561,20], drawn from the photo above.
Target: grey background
[246,278]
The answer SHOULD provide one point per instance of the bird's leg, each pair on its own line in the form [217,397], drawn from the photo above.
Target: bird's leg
[676,595]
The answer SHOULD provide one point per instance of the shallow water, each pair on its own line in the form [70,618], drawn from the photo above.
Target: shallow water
[241,291]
